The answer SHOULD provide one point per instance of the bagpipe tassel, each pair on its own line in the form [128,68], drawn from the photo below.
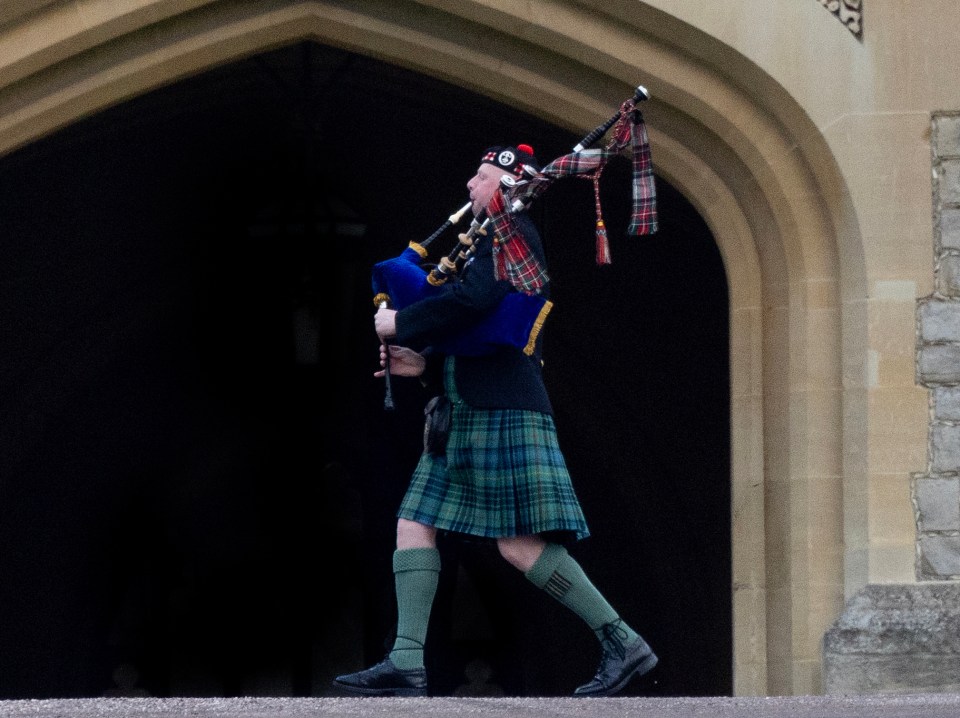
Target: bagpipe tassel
[603,243]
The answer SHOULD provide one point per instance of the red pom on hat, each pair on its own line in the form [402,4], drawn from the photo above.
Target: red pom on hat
[526,148]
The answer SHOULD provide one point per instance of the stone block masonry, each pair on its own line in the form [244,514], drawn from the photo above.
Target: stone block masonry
[936,492]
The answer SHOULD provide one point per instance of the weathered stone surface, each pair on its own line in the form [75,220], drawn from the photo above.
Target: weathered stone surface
[947,136]
[940,364]
[881,705]
[950,229]
[939,557]
[948,278]
[950,182]
[940,321]
[895,638]
[884,674]
[946,402]
[945,447]
[938,503]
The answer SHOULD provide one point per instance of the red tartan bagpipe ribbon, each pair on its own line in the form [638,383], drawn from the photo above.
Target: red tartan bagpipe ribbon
[513,259]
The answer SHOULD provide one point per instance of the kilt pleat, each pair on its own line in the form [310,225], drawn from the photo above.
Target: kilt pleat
[503,475]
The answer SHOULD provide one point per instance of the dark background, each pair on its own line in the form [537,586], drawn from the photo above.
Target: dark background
[197,477]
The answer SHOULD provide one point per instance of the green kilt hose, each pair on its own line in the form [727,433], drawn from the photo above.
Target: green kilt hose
[503,475]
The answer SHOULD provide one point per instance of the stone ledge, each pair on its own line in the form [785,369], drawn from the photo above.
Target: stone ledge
[895,638]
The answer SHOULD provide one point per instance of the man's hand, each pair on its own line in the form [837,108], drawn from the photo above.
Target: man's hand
[403,361]
[385,323]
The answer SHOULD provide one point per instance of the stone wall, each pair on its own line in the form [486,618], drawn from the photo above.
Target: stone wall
[896,638]
[936,493]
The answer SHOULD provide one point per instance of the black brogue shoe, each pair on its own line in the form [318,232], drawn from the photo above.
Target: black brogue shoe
[618,664]
[385,679]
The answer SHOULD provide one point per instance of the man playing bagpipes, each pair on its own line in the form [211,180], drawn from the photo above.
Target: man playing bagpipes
[501,474]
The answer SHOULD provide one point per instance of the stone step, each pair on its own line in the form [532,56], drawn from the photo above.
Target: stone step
[931,705]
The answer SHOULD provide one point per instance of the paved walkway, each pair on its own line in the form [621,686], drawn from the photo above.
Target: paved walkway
[936,705]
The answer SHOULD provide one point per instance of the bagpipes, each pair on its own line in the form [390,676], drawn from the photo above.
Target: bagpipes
[517,321]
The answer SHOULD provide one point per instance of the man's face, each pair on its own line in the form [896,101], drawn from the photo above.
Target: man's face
[483,185]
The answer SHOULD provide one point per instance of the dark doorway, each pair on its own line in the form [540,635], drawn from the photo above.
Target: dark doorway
[197,477]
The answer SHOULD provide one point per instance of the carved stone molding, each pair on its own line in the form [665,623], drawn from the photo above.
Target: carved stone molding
[849,12]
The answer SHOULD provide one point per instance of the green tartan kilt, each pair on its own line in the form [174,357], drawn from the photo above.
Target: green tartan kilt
[503,475]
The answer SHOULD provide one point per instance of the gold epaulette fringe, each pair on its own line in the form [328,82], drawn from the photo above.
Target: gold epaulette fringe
[537,326]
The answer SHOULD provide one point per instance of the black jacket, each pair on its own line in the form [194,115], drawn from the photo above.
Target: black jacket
[504,379]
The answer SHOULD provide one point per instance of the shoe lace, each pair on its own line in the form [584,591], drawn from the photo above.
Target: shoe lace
[612,642]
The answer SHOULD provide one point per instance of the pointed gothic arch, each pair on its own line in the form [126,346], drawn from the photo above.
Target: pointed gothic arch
[742,151]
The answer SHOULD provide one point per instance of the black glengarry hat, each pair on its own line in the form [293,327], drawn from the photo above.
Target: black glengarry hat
[518,161]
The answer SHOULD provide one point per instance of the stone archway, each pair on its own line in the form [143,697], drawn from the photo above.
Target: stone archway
[753,167]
